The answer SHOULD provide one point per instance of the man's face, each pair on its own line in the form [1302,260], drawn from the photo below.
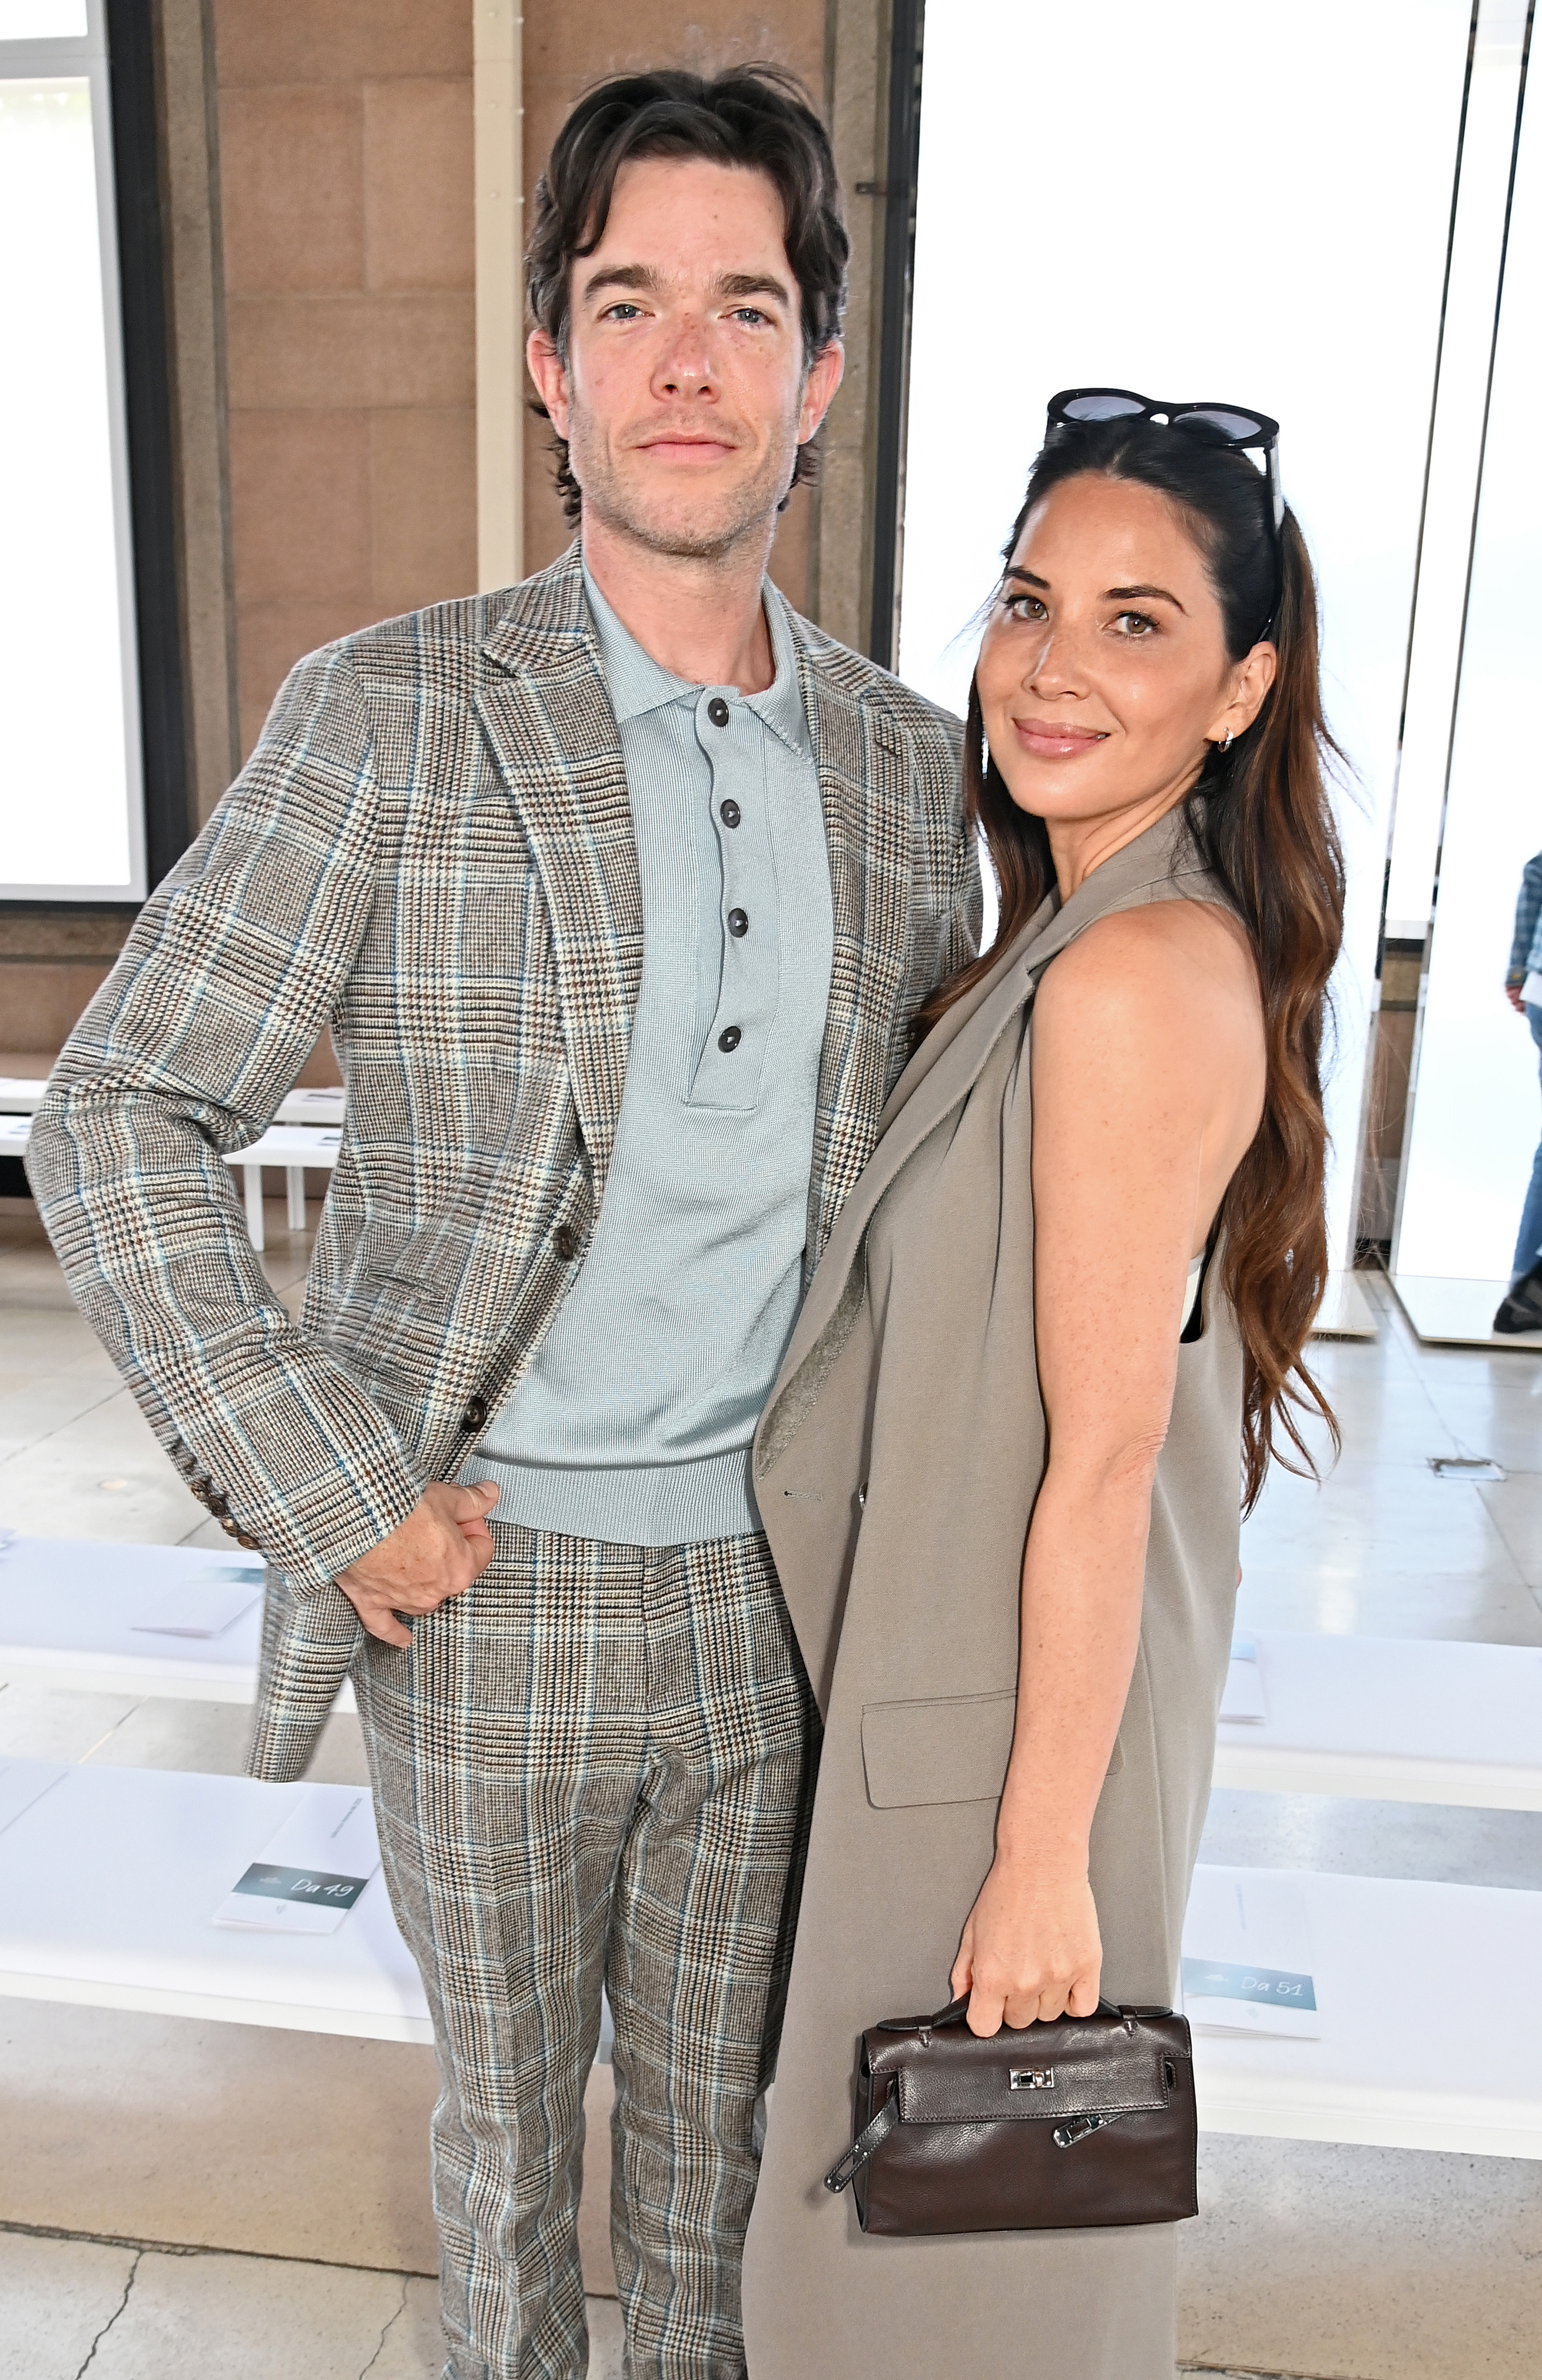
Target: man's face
[684,395]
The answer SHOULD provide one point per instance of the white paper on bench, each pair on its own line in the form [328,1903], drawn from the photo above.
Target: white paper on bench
[22,1782]
[1379,1948]
[1396,1717]
[1247,1956]
[205,1603]
[70,1613]
[106,1885]
[322,1837]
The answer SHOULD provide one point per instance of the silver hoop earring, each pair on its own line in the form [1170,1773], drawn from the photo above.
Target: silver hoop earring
[1226,741]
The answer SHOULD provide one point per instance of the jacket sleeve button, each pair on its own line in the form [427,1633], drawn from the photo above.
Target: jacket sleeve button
[564,1239]
[242,1539]
[218,1506]
[475,1414]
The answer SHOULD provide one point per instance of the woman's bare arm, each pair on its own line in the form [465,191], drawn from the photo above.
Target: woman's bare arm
[1148,1063]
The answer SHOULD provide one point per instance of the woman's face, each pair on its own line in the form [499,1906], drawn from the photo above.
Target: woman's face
[1104,674]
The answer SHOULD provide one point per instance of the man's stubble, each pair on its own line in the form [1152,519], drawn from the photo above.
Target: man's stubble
[712,530]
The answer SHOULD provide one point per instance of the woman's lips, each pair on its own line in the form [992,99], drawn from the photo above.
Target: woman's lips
[1052,739]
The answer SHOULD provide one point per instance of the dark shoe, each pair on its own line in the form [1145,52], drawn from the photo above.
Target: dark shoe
[1522,1310]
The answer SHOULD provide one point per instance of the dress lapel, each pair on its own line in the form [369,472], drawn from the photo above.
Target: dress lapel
[548,720]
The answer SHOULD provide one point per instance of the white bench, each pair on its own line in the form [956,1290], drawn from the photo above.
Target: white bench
[68,1610]
[1426,1995]
[109,1879]
[22,1095]
[108,1884]
[1392,1719]
[304,1133]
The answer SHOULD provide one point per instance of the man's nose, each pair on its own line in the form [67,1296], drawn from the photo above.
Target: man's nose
[686,367]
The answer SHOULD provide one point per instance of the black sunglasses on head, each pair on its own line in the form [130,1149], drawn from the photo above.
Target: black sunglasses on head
[1218,425]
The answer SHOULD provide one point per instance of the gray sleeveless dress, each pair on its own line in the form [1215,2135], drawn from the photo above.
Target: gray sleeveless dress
[896,1469]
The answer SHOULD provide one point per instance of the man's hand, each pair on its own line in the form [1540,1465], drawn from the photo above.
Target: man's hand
[441,1545]
[1512,993]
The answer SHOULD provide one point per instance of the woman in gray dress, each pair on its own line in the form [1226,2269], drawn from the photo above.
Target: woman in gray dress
[1054,1341]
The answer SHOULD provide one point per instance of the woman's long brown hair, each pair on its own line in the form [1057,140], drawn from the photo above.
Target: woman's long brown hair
[1264,825]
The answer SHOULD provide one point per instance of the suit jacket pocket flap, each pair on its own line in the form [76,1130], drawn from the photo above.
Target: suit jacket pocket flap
[954,1749]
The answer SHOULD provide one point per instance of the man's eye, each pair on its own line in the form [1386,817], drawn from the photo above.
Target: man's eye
[751,314]
[622,313]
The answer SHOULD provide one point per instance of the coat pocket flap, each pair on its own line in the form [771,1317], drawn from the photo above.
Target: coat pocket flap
[954,1749]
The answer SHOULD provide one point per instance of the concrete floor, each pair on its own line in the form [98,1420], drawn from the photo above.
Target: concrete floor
[187,2200]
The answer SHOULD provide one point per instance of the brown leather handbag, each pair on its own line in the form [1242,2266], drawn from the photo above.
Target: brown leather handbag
[1083,2120]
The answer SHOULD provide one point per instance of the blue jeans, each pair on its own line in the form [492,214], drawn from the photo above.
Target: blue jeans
[1528,1244]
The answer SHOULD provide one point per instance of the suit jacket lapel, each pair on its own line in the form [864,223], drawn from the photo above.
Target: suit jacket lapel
[865,787]
[547,715]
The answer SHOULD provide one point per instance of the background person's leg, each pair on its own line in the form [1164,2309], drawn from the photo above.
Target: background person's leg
[508,1749]
[1528,1240]
[700,1944]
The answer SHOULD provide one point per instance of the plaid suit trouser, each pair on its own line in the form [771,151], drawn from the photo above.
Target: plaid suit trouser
[597,1764]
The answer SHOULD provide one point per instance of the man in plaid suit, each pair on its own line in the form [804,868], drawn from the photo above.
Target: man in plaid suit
[500,848]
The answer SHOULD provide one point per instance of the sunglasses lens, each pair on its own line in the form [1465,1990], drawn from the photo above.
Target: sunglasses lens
[1217,418]
[1100,405]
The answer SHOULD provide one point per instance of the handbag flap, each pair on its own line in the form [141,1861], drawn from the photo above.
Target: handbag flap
[1020,2085]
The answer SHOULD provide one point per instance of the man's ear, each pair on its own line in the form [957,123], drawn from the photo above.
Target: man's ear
[550,375]
[819,390]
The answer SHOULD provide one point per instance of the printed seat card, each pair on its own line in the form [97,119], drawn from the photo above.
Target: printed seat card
[311,1874]
[205,1602]
[1247,1957]
[1243,1696]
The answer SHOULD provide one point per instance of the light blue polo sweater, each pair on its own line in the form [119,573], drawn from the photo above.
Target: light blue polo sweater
[634,1421]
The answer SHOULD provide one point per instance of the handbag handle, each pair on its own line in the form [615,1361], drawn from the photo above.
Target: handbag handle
[956,2010]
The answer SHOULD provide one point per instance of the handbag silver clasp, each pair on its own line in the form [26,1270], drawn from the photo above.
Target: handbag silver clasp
[1032,2078]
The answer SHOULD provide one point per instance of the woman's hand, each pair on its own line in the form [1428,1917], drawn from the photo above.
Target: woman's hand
[1031,1949]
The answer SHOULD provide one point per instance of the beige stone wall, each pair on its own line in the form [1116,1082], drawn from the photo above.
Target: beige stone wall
[345,136]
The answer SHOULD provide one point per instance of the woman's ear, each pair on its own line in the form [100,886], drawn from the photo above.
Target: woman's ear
[1251,680]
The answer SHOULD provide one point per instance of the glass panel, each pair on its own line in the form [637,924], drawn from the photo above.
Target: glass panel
[1475,1111]
[41,20]
[1251,207]
[64,781]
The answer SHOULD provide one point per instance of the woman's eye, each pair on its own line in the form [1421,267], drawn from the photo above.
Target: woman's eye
[1134,623]
[1024,608]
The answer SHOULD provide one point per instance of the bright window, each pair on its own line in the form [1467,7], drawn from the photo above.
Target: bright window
[1225,202]
[71,806]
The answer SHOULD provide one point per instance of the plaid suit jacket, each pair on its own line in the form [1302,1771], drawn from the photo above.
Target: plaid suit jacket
[432,851]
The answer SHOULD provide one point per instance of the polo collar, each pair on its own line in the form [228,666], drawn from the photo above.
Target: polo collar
[638,683]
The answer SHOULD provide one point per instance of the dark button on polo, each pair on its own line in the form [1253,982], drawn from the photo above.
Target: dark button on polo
[717,711]
[738,921]
[730,813]
[564,1239]
[475,1414]
[730,1037]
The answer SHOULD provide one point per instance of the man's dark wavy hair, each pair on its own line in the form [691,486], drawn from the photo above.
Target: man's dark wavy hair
[753,115]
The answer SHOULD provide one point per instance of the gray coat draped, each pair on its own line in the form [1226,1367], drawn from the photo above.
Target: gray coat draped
[896,1467]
